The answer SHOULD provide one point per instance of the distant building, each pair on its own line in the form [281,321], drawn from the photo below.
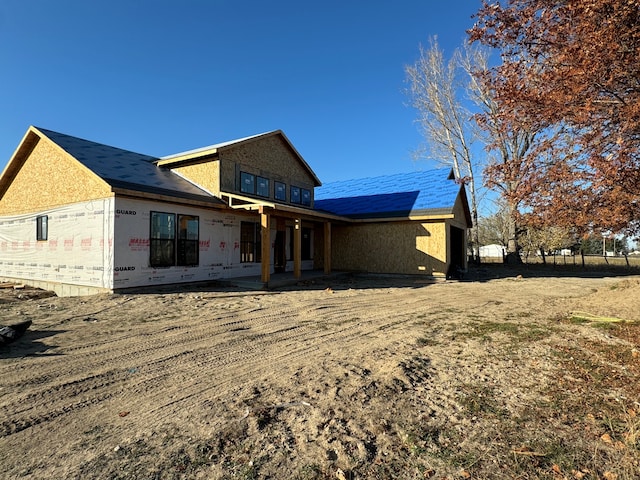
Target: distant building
[492,251]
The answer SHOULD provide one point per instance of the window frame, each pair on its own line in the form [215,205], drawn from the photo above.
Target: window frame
[248,179]
[42,228]
[297,199]
[306,251]
[158,258]
[267,193]
[250,242]
[305,192]
[280,187]
[188,249]
[170,245]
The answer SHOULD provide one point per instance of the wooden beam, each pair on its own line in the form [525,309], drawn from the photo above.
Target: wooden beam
[297,248]
[327,248]
[265,230]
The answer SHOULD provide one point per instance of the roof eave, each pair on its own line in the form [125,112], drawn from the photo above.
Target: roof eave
[134,189]
[254,204]
[188,158]
[415,215]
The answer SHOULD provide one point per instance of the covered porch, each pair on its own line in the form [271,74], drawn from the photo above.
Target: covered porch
[280,217]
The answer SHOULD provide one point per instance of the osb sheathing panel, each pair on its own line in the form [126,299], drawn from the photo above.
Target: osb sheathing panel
[393,247]
[50,177]
[269,157]
[205,175]
[459,220]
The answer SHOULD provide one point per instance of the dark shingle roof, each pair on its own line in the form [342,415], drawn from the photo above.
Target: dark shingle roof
[398,195]
[124,169]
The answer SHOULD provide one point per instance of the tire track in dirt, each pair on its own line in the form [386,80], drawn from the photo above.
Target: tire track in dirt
[201,346]
[191,365]
[105,354]
[349,335]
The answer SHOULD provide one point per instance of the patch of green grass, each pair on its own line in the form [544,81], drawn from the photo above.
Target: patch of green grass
[604,326]
[517,332]
[578,320]
[480,399]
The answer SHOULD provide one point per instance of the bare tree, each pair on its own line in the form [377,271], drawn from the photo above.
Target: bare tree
[494,228]
[509,145]
[444,94]
[436,90]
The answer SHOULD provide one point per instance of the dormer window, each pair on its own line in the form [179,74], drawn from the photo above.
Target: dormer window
[280,192]
[295,195]
[306,197]
[247,183]
[262,187]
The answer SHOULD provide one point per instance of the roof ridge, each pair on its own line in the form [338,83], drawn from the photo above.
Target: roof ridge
[217,145]
[50,133]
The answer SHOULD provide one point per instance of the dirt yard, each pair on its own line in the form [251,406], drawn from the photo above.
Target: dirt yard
[499,376]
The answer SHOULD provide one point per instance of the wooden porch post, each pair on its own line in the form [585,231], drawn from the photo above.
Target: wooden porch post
[297,248]
[265,243]
[327,248]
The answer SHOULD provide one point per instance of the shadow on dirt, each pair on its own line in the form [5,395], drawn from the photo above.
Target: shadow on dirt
[489,271]
[340,281]
[30,345]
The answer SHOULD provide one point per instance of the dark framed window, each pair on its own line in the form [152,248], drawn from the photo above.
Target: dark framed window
[280,191]
[305,244]
[174,243]
[250,242]
[162,240]
[188,240]
[305,253]
[295,195]
[262,187]
[247,182]
[42,228]
[306,197]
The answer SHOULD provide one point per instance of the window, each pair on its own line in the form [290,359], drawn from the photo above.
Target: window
[295,195]
[164,251]
[162,240]
[250,242]
[280,191]
[306,244]
[262,187]
[188,240]
[306,197]
[247,182]
[42,227]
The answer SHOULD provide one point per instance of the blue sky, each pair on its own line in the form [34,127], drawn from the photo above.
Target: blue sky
[160,77]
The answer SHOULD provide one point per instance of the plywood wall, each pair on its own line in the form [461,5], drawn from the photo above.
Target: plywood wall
[392,247]
[459,214]
[50,177]
[270,157]
[204,174]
